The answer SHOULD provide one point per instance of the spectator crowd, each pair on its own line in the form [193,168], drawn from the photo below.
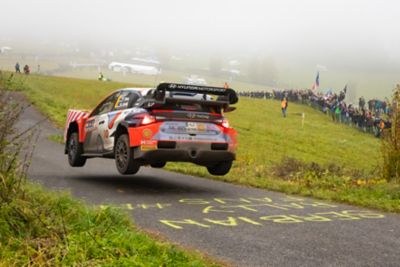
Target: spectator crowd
[369,116]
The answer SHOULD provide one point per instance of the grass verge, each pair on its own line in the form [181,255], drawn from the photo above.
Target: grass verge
[49,229]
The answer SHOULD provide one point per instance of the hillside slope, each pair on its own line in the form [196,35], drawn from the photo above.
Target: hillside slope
[264,136]
[266,139]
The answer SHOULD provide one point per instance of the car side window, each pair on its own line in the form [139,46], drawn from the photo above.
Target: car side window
[107,105]
[133,99]
[122,101]
[126,100]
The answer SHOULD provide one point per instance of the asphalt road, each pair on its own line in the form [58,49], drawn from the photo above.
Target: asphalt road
[244,226]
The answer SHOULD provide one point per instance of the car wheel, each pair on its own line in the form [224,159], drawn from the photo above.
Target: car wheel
[124,156]
[75,151]
[220,168]
[160,164]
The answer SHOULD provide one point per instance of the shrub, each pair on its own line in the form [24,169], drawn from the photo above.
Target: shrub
[391,141]
[313,173]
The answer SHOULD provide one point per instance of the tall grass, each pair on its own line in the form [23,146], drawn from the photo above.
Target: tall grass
[12,171]
[391,142]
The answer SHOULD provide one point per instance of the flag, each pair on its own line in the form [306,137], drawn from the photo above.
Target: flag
[345,89]
[316,84]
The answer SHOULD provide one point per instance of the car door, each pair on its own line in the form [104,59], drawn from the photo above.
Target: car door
[97,126]
[123,102]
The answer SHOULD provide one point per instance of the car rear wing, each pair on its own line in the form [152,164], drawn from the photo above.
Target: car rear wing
[225,96]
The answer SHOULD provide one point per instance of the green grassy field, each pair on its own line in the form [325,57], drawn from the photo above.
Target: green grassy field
[265,139]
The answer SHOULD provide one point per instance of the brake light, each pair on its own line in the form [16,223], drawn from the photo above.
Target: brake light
[225,123]
[148,119]
[140,119]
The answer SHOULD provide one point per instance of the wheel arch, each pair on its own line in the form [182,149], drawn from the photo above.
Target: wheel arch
[121,129]
[72,128]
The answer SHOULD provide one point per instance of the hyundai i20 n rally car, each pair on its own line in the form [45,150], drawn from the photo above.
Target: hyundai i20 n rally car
[145,126]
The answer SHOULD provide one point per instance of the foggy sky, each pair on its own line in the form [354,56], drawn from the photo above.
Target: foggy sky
[352,29]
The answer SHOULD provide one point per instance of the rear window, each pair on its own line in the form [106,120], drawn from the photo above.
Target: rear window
[190,107]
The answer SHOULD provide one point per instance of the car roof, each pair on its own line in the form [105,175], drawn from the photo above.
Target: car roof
[143,91]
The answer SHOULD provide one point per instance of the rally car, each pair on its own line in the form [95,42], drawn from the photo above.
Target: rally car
[152,126]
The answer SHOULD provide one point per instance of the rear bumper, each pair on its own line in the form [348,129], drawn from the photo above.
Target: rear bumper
[205,154]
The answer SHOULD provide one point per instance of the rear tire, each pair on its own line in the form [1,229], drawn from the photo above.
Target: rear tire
[124,160]
[75,151]
[220,168]
[160,164]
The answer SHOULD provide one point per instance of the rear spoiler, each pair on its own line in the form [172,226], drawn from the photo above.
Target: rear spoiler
[226,96]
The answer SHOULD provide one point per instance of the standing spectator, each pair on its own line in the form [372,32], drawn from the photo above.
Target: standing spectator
[284,105]
[324,107]
[344,113]
[371,105]
[384,107]
[17,69]
[338,113]
[26,69]
[380,128]
[378,106]
[342,96]
[361,102]
[369,122]
[350,112]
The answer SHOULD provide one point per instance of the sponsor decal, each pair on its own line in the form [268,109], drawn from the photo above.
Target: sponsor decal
[194,88]
[90,124]
[112,117]
[147,145]
[189,128]
[201,127]
[202,116]
[192,115]
[147,133]
[122,102]
[195,127]
[117,103]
